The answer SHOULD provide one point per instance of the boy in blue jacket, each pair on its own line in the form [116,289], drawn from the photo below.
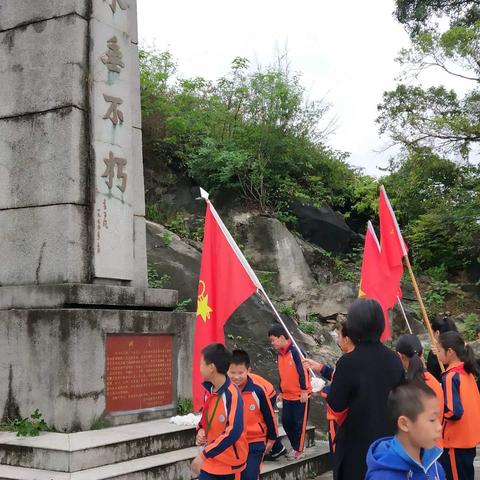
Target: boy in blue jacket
[412,453]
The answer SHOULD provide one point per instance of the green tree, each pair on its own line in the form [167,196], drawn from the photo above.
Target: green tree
[415,14]
[252,134]
[438,202]
[437,117]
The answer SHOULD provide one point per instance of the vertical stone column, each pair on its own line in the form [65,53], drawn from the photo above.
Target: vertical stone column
[71,173]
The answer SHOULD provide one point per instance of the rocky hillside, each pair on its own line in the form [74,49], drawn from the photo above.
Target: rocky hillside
[311,275]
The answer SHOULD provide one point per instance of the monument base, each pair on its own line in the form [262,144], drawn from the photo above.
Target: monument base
[58,360]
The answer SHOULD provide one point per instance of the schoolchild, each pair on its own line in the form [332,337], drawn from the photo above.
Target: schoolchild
[221,429]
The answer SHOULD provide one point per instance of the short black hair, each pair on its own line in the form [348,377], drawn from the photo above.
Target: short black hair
[219,355]
[443,324]
[406,400]
[277,330]
[365,320]
[240,357]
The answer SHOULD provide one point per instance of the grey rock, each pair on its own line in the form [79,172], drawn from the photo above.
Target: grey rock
[325,227]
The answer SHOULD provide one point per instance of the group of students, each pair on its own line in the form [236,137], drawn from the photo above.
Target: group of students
[373,393]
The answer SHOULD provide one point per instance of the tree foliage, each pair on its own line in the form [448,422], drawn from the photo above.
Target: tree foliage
[252,133]
[415,14]
[438,201]
[437,117]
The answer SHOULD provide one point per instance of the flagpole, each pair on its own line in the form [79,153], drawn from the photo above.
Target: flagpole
[205,196]
[412,276]
[404,314]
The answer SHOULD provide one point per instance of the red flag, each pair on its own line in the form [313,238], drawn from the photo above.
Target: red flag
[393,247]
[374,277]
[226,281]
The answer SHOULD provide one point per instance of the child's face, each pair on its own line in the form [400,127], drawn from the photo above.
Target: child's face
[207,370]
[425,431]
[278,343]
[238,374]
[445,356]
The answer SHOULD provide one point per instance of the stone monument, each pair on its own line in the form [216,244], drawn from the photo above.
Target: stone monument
[82,338]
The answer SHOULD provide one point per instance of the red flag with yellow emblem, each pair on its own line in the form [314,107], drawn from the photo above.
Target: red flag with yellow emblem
[393,247]
[226,281]
[374,279]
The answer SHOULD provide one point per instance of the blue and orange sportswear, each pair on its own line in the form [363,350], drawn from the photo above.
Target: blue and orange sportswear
[222,419]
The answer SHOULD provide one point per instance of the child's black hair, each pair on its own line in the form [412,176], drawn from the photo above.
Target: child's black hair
[411,347]
[240,357]
[365,321]
[406,400]
[277,330]
[464,352]
[219,355]
[443,324]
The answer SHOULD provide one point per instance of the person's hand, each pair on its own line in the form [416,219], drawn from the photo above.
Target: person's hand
[268,447]
[304,397]
[201,439]
[309,363]
[435,348]
[197,464]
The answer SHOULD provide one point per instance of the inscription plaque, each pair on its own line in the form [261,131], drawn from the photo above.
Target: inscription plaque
[138,372]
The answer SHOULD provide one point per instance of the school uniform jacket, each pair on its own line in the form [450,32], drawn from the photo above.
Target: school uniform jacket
[269,388]
[433,383]
[461,427]
[226,450]
[259,418]
[294,377]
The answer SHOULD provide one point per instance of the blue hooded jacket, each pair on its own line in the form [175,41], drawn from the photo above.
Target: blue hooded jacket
[388,460]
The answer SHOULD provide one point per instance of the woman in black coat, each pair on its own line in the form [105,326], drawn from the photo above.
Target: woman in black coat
[362,382]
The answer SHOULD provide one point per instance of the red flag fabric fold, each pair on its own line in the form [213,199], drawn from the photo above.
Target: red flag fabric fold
[374,279]
[223,286]
[393,247]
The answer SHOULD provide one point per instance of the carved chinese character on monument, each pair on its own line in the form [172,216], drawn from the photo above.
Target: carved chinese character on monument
[109,172]
[121,3]
[113,113]
[113,56]
[138,372]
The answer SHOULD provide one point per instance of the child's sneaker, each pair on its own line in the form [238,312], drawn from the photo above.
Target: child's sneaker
[271,457]
[293,455]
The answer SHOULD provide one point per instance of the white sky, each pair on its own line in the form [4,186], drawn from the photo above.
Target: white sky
[345,50]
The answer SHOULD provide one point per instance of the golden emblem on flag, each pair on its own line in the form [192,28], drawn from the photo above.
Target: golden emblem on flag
[203,309]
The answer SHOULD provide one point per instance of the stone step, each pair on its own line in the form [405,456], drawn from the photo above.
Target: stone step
[75,452]
[175,466]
